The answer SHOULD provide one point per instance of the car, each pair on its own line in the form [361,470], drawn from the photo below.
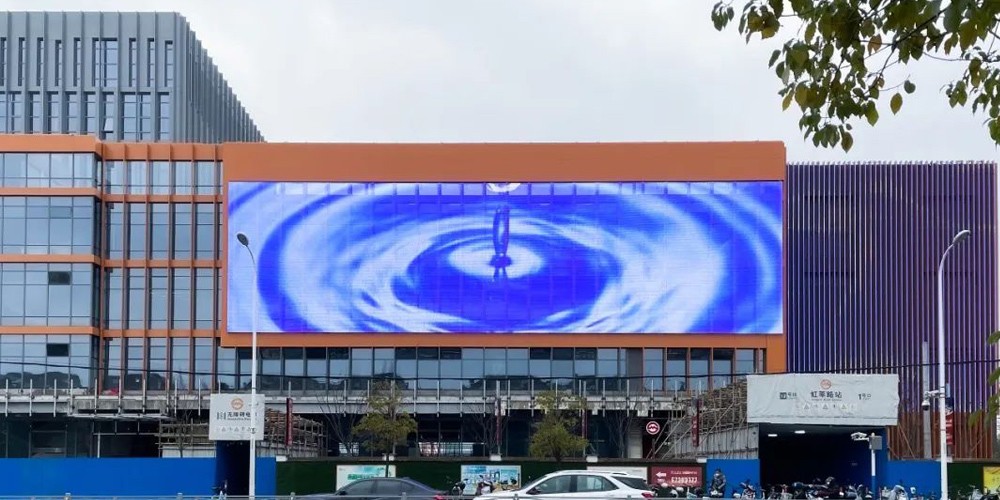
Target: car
[581,484]
[382,488]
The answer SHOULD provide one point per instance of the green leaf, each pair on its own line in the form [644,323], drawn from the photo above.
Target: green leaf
[909,87]
[846,141]
[801,95]
[787,101]
[993,338]
[774,58]
[872,115]
[895,103]
[874,44]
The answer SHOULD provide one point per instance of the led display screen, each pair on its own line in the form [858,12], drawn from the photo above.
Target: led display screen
[636,257]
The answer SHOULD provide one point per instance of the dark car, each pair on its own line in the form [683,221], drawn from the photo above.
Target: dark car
[383,488]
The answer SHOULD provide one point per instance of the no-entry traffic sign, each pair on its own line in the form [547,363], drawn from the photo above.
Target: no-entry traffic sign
[652,428]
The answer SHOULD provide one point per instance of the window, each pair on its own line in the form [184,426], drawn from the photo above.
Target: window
[204,298]
[116,230]
[136,231]
[145,117]
[39,61]
[160,177]
[112,363]
[40,225]
[16,112]
[182,231]
[133,61]
[46,294]
[55,115]
[677,369]
[73,113]
[181,315]
[165,118]
[203,349]
[150,62]
[110,124]
[204,181]
[205,231]
[722,367]
[90,113]
[744,361]
[180,366]
[160,219]
[35,113]
[4,103]
[3,60]
[114,177]
[105,66]
[133,364]
[129,117]
[57,350]
[556,485]
[136,297]
[22,60]
[158,298]
[699,369]
[77,61]
[593,484]
[156,364]
[58,66]
[182,178]
[652,369]
[137,177]
[169,71]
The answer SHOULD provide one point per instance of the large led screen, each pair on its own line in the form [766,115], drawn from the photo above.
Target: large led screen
[637,257]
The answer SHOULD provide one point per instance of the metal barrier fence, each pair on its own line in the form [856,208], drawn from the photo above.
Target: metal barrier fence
[315,496]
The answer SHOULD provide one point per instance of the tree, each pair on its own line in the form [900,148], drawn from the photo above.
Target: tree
[993,404]
[834,65]
[553,436]
[386,425]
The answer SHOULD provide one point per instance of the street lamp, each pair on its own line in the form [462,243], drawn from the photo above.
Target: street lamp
[252,487]
[942,403]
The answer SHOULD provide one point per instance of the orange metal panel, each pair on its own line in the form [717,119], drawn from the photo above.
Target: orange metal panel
[49,143]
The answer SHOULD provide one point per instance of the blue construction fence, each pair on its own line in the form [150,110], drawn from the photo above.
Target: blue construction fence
[924,475]
[120,476]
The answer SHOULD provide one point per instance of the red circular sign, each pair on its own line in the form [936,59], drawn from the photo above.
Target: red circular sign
[652,428]
[825,384]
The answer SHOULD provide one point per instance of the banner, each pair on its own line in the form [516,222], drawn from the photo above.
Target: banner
[687,476]
[347,474]
[229,417]
[482,479]
[823,399]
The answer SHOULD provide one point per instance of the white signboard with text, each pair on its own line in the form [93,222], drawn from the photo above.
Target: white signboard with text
[347,474]
[823,399]
[229,417]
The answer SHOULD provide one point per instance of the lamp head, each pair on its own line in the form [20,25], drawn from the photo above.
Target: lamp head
[963,234]
[242,238]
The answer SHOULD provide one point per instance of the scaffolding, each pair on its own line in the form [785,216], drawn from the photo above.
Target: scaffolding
[190,437]
[714,426]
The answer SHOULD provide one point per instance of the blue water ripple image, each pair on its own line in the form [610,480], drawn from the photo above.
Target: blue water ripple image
[636,257]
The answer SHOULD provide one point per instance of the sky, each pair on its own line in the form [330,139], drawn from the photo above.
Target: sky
[528,71]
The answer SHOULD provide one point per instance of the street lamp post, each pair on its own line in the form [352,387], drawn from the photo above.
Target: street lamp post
[252,486]
[942,403]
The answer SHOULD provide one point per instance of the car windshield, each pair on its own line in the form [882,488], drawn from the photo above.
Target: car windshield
[633,482]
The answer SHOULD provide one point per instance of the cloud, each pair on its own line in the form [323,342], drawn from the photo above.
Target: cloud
[520,70]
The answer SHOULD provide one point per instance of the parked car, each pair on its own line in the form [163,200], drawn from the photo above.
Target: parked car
[382,488]
[580,484]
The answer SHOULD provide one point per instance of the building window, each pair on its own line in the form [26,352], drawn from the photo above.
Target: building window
[205,231]
[133,62]
[677,370]
[110,125]
[77,61]
[169,63]
[699,369]
[204,300]
[145,131]
[722,367]
[22,60]
[116,230]
[203,349]
[3,60]
[39,61]
[158,281]
[112,364]
[159,244]
[150,62]
[156,364]
[73,112]
[181,291]
[4,106]
[182,231]
[90,113]
[57,70]
[165,118]
[136,298]
[105,67]
[114,177]
[182,178]
[36,113]
[46,294]
[55,112]
[137,177]
[134,364]
[114,284]
[160,177]
[129,119]
[136,231]
[180,366]
[16,112]
[47,225]
[204,181]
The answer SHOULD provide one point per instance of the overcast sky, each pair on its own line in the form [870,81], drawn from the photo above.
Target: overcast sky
[526,70]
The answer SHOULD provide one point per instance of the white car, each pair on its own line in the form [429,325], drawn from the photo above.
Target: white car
[579,484]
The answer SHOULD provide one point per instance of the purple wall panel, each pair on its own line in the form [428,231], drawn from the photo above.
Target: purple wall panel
[864,240]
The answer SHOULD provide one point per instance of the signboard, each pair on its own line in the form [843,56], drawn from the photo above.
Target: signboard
[687,476]
[652,428]
[347,474]
[823,399]
[482,479]
[991,478]
[632,471]
[229,417]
